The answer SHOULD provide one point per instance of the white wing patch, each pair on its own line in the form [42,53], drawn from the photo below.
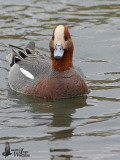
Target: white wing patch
[27,73]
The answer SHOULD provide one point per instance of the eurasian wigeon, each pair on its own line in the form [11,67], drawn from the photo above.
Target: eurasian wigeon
[38,75]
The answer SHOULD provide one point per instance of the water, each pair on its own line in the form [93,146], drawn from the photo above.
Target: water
[88,127]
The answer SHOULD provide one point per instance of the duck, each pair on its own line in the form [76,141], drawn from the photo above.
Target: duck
[39,75]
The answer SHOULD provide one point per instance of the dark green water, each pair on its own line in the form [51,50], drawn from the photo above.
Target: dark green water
[86,128]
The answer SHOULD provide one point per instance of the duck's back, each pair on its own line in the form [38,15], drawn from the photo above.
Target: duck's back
[28,71]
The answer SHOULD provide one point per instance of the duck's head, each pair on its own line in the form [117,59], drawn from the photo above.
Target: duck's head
[61,47]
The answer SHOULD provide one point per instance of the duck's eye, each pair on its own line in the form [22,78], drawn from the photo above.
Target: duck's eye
[52,37]
[66,38]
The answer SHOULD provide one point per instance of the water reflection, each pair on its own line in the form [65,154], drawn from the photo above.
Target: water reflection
[59,115]
[60,126]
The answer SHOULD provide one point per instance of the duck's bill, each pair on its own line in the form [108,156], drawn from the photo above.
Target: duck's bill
[58,52]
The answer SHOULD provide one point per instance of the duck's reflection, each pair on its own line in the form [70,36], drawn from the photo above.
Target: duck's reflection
[60,127]
[61,117]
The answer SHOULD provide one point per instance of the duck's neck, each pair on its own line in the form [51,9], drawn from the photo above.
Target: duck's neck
[63,64]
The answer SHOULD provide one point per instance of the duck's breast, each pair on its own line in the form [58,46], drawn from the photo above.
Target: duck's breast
[59,85]
[67,87]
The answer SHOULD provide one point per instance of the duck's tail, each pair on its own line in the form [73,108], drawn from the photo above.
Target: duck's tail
[21,53]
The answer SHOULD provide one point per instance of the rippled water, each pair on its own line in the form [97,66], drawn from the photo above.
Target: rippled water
[87,127]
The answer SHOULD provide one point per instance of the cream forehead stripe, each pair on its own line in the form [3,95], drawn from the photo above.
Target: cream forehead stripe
[27,73]
[59,35]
